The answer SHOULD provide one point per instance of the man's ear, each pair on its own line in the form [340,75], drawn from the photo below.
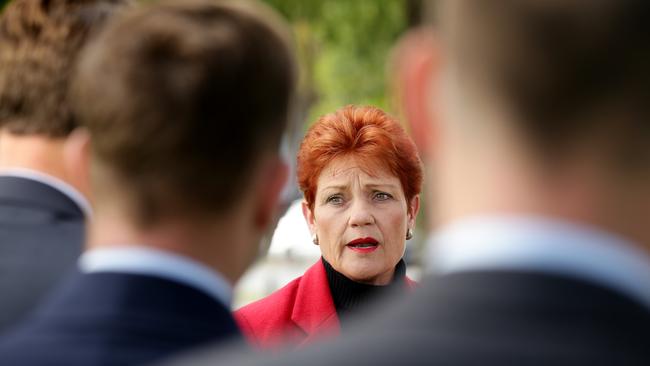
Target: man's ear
[271,185]
[309,217]
[418,70]
[76,160]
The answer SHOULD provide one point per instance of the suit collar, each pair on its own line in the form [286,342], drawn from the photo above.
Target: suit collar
[544,245]
[314,310]
[26,191]
[110,295]
[158,263]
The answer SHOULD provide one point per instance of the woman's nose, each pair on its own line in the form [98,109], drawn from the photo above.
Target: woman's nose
[361,214]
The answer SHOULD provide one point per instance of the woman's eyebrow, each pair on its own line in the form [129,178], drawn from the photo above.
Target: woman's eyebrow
[381,185]
[335,187]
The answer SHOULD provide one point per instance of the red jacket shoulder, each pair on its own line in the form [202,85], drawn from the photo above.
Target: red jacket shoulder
[299,312]
[268,318]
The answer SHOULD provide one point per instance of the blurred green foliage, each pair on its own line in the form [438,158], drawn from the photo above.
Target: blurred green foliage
[343,46]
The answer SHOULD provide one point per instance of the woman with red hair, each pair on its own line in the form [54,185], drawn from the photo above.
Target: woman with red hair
[361,176]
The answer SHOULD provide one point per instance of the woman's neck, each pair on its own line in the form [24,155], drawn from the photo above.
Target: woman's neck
[348,295]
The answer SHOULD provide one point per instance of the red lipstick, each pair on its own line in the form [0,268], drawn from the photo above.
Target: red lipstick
[363,245]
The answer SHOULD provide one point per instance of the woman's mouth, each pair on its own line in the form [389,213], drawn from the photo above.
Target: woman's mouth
[363,245]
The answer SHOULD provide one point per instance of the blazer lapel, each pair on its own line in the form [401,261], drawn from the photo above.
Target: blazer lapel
[314,310]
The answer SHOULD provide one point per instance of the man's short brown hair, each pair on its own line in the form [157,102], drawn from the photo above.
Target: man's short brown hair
[569,70]
[39,43]
[182,99]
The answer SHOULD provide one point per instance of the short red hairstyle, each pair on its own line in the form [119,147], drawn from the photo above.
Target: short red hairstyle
[367,134]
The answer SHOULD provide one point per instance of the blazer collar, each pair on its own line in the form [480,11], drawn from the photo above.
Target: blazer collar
[314,309]
[27,191]
[135,296]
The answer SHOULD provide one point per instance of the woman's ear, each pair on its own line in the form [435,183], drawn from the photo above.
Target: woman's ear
[309,217]
[413,210]
[76,160]
[418,62]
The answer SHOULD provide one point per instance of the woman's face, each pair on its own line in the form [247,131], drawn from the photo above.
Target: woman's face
[361,220]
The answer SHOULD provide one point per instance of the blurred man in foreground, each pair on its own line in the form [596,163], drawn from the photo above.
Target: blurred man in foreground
[184,105]
[540,185]
[43,192]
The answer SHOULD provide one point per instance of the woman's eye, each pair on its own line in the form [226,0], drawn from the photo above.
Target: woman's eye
[335,200]
[382,196]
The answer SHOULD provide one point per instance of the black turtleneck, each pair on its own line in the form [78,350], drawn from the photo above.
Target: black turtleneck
[349,295]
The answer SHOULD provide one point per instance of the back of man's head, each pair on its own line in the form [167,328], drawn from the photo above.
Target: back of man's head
[39,43]
[543,102]
[183,100]
[569,71]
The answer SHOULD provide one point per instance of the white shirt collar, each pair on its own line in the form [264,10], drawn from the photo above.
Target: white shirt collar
[53,182]
[541,244]
[148,261]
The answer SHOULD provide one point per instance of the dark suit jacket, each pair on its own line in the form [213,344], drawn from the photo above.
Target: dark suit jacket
[489,318]
[299,313]
[41,236]
[117,319]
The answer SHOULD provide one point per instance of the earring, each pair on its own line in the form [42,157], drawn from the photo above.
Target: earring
[314,239]
[409,234]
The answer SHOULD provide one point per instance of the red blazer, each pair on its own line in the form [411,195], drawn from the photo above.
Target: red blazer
[298,313]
